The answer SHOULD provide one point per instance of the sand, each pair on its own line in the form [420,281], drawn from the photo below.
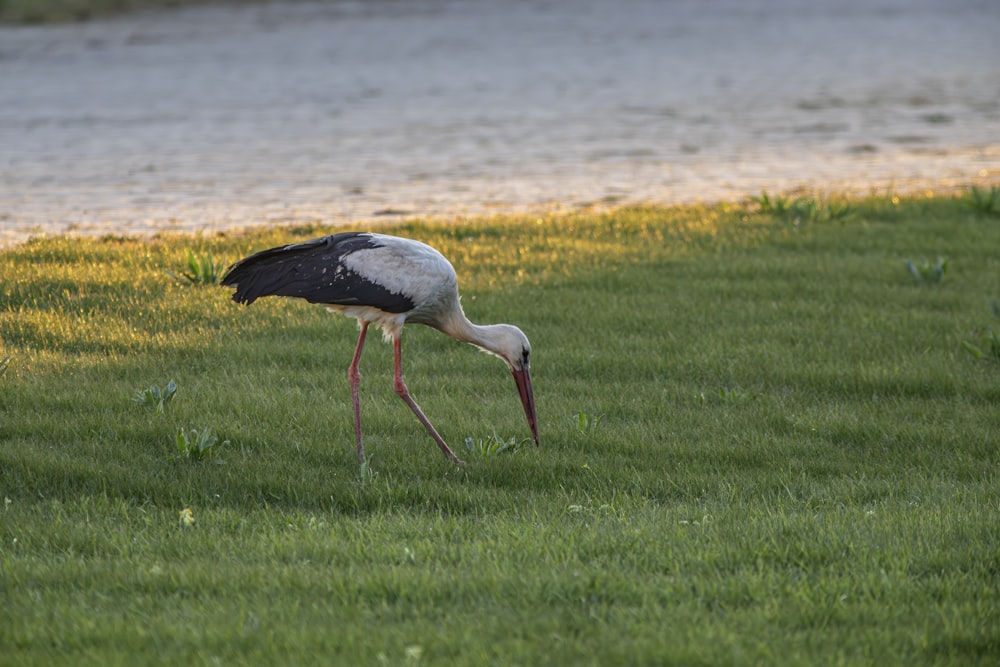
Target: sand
[344,112]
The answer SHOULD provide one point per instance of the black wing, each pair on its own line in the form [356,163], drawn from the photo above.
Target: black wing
[314,271]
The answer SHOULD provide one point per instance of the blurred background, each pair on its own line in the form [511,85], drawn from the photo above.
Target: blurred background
[341,111]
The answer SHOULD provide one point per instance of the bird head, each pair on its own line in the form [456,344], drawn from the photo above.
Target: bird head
[510,344]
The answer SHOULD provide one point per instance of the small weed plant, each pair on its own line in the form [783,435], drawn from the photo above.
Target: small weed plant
[366,474]
[5,363]
[839,211]
[777,205]
[926,272]
[202,270]
[492,445]
[991,345]
[802,209]
[984,201]
[194,445]
[156,397]
[588,424]
[991,351]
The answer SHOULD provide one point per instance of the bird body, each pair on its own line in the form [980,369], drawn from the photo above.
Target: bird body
[387,281]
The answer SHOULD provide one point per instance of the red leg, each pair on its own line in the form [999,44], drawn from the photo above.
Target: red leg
[354,376]
[404,394]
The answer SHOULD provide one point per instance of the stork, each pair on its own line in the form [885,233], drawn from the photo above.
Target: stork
[387,281]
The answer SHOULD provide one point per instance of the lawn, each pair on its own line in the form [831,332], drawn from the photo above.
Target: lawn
[21,12]
[765,439]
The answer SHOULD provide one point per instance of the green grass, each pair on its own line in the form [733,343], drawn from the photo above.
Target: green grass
[62,11]
[762,443]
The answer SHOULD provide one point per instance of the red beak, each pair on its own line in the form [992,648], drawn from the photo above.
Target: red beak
[523,380]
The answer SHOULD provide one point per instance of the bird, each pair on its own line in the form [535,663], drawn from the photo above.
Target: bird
[386,281]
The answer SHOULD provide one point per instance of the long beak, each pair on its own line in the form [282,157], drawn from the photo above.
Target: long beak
[523,380]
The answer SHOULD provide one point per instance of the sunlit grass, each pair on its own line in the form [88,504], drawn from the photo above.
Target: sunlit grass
[761,443]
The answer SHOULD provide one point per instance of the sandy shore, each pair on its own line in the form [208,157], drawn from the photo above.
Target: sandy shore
[341,111]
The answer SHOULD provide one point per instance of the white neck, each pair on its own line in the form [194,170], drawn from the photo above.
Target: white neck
[484,336]
[503,340]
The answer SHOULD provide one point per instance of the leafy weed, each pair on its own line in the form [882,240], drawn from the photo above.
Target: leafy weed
[156,397]
[202,270]
[193,445]
[992,340]
[588,424]
[926,272]
[803,209]
[492,445]
[984,201]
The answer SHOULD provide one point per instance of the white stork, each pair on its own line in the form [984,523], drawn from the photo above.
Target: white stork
[387,281]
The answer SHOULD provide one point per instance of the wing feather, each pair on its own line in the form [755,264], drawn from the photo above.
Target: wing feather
[317,271]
